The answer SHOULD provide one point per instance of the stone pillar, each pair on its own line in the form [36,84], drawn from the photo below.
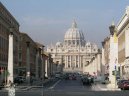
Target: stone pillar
[112,63]
[103,61]
[43,63]
[28,63]
[80,62]
[65,62]
[10,58]
[75,61]
[46,68]
[48,65]
[70,60]
[113,56]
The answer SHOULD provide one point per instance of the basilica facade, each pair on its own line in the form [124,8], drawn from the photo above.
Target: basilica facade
[74,52]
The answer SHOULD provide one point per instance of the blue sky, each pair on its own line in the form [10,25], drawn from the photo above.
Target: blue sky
[46,21]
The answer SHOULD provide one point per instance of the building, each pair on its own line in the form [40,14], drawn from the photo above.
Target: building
[94,66]
[7,21]
[74,52]
[22,68]
[105,56]
[123,46]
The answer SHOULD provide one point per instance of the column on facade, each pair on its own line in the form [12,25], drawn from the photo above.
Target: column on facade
[70,60]
[67,61]
[80,62]
[75,61]
[49,67]
[66,64]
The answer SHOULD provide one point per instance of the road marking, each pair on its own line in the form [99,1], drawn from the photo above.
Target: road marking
[54,85]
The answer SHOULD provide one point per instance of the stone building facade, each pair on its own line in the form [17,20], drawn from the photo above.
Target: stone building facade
[24,38]
[7,21]
[123,46]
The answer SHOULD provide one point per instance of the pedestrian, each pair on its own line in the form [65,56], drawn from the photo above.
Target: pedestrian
[10,83]
[31,80]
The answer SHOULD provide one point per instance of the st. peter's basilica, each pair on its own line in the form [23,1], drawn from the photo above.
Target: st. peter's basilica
[74,52]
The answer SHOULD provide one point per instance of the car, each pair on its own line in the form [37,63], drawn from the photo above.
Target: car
[66,77]
[74,77]
[119,83]
[124,85]
[19,79]
[86,81]
[58,75]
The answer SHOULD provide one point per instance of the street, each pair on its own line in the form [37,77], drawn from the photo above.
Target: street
[66,88]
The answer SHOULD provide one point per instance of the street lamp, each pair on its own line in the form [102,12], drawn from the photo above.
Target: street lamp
[10,57]
[10,64]
[28,63]
[112,29]
[43,67]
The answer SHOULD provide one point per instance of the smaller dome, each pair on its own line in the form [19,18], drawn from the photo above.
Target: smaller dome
[88,44]
[58,44]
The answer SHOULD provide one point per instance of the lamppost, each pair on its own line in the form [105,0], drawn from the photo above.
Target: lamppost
[113,55]
[43,67]
[28,63]
[115,75]
[11,91]
[10,57]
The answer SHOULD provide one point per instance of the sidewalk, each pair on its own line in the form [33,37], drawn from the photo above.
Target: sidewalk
[103,87]
[35,84]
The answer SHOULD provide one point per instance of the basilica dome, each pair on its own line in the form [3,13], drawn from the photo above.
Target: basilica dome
[74,35]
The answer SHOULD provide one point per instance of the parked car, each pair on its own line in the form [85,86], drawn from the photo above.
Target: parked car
[119,83]
[19,79]
[86,81]
[66,77]
[74,77]
[58,75]
[124,85]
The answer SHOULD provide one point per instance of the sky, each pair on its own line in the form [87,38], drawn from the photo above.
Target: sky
[46,21]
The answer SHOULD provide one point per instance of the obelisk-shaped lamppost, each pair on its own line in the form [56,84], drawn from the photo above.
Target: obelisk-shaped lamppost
[10,58]
[37,64]
[113,61]
[43,63]
[28,63]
